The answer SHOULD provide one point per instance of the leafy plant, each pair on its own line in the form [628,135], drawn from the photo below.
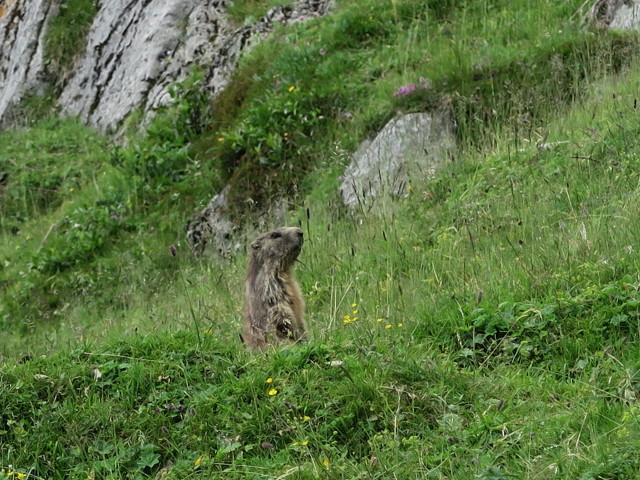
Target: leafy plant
[513,331]
[274,137]
[524,332]
[79,236]
[161,156]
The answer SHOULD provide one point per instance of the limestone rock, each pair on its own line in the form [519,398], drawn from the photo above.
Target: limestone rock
[130,47]
[22,27]
[616,14]
[212,231]
[210,227]
[627,17]
[408,148]
[137,50]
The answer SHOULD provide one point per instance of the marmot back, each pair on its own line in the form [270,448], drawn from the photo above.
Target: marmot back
[274,303]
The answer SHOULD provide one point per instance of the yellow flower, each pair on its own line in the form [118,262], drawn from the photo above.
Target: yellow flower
[295,444]
[380,320]
[272,392]
[306,418]
[292,88]
[20,476]
[269,380]
[349,319]
[326,463]
[388,326]
[354,305]
[221,139]
[355,312]
[72,189]
[401,324]
[198,461]
[305,443]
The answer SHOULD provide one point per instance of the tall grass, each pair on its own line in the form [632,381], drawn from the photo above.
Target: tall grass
[460,333]
[482,325]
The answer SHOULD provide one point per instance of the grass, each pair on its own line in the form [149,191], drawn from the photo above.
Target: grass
[484,325]
[333,411]
[246,12]
[481,71]
[44,166]
[65,37]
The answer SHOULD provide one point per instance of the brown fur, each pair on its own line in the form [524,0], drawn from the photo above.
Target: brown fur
[275,307]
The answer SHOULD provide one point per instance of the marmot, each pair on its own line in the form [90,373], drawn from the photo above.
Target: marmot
[275,306]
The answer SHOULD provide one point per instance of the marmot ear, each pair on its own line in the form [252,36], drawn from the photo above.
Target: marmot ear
[255,245]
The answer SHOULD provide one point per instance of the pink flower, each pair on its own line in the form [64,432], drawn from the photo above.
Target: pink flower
[412,87]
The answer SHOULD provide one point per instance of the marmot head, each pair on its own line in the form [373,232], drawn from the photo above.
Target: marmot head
[277,249]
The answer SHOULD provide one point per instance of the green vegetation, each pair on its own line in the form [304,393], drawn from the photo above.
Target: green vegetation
[499,70]
[65,37]
[485,325]
[64,41]
[246,12]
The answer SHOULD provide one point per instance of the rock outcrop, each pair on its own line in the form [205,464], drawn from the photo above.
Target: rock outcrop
[211,229]
[22,69]
[408,148]
[135,55]
[616,14]
[134,52]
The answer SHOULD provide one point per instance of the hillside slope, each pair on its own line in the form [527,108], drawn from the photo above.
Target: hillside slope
[483,325]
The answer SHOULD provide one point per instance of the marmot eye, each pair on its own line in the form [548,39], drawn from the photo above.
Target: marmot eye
[275,235]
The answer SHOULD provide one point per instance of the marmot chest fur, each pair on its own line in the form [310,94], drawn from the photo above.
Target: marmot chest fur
[274,303]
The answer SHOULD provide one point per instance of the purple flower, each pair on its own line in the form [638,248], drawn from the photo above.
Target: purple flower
[406,90]
[412,87]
